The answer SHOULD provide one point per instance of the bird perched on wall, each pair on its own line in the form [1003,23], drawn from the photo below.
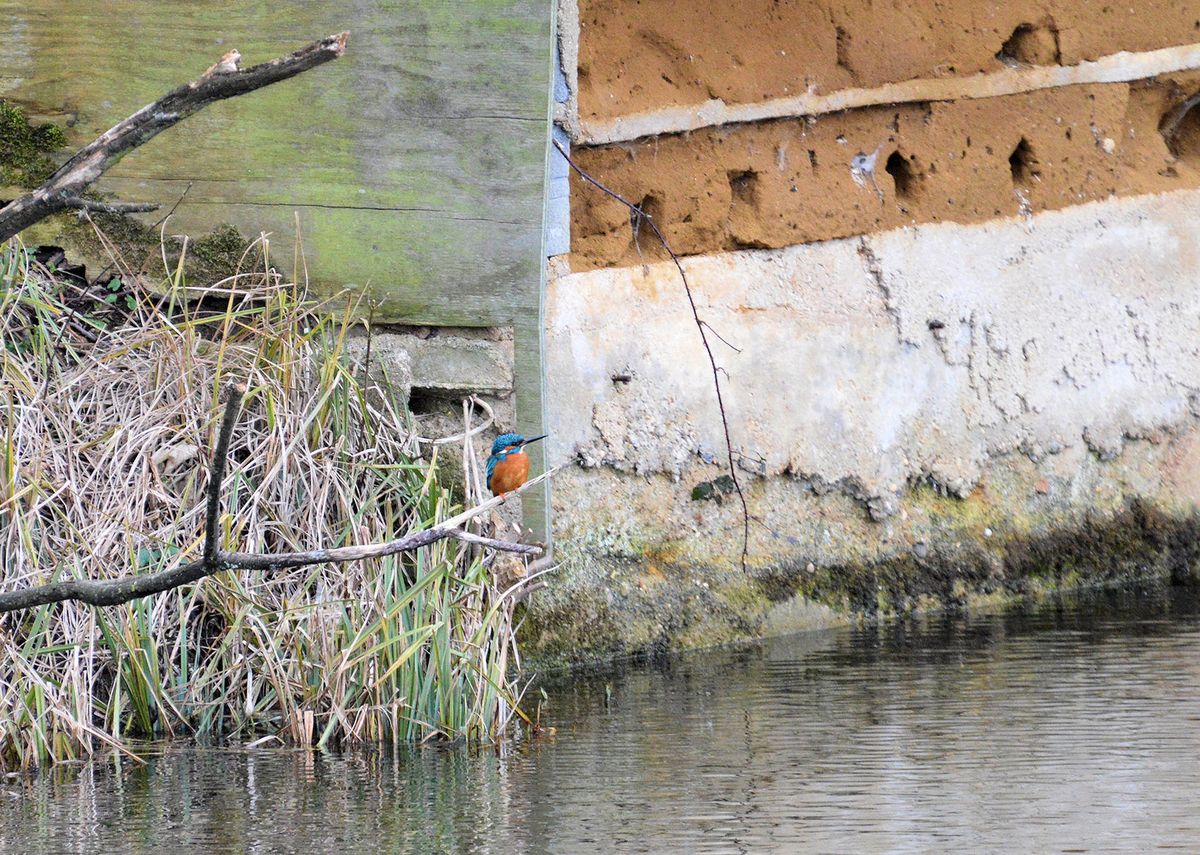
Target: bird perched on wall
[508,465]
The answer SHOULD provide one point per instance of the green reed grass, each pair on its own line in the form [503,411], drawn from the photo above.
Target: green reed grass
[105,433]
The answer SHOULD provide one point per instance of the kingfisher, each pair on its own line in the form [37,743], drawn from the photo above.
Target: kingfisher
[508,465]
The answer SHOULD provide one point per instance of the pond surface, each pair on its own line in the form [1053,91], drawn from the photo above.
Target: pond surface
[1069,727]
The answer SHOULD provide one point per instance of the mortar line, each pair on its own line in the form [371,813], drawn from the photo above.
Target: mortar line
[1122,67]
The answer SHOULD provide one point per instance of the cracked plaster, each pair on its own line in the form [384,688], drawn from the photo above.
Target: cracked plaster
[870,364]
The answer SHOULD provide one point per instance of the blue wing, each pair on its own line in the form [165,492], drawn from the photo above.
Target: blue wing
[491,467]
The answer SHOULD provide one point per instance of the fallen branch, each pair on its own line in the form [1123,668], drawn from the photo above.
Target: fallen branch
[116,591]
[223,80]
[78,203]
[639,216]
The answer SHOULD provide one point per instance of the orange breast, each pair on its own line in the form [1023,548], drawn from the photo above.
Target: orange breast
[510,473]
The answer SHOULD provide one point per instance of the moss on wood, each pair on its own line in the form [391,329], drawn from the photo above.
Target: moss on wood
[209,259]
[26,149]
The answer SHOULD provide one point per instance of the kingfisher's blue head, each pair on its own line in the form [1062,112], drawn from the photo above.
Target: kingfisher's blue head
[506,444]
[506,441]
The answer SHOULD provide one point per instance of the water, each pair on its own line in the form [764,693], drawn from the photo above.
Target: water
[1066,728]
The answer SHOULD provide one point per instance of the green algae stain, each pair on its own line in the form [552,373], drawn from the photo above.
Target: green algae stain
[658,600]
[209,259]
[221,253]
[415,163]
[25,149]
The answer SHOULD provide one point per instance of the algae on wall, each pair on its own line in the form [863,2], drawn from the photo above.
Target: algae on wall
[27,158]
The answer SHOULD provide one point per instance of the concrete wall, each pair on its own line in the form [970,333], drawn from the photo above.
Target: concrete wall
[963,314]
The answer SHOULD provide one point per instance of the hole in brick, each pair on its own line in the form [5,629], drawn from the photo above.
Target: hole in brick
[843,48]
[1031,44]
[748,243]
[651,207]
[904,176]
[434,402]
[1181,131]
[1023,164]
[744,221]
[743,187]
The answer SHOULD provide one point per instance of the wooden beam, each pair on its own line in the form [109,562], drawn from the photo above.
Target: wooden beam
[222,80]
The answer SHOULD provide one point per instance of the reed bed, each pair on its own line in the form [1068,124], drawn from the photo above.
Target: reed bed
[106,430]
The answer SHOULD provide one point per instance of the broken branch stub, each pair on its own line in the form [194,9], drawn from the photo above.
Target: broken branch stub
[223,80]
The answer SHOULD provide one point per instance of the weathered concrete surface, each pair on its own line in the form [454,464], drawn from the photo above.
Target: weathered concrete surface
[437,360]
[922,416]
[459,363]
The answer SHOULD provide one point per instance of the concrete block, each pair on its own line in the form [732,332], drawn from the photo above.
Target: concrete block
[445,362]
[390,366]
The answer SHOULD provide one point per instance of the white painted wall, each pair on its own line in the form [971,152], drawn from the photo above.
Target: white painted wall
[868,363]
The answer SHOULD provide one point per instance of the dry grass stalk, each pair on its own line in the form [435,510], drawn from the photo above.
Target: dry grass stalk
[103,472]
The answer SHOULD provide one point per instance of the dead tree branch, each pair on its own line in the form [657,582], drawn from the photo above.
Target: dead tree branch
[116,591]
[223,80]
[78,203]
[639,216]
[216,477]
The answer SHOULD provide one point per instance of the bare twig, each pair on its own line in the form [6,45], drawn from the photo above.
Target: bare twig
[212,526]
[721,338]
[174,207]
[473,431]
[115,591]
[221,81]
[534,574]
[81,204]
[639,217]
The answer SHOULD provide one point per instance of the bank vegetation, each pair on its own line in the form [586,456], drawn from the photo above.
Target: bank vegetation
[110,408]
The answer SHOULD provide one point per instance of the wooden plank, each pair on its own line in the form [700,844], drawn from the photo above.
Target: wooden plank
[416,162]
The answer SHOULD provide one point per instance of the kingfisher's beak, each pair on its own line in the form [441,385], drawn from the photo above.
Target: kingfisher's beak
[535,439]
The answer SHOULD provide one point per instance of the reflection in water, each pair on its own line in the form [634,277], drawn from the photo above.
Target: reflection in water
[1073,727]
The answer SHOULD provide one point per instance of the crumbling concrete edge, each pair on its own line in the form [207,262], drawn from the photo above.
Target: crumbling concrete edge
[644,599]
[566,108]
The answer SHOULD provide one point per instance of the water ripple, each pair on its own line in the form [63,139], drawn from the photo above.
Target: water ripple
[1069,728]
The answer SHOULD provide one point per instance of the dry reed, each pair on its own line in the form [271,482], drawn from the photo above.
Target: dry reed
[106,433]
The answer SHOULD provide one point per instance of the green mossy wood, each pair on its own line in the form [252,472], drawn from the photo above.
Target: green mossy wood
[415,163]
[25,149]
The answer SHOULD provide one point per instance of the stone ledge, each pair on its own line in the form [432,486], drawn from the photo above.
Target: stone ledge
[656,588]
[439,360]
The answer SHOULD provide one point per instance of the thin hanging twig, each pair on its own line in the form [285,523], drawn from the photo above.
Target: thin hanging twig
[640,217]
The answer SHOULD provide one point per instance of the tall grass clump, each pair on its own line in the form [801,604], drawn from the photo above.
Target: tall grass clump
[105,432]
